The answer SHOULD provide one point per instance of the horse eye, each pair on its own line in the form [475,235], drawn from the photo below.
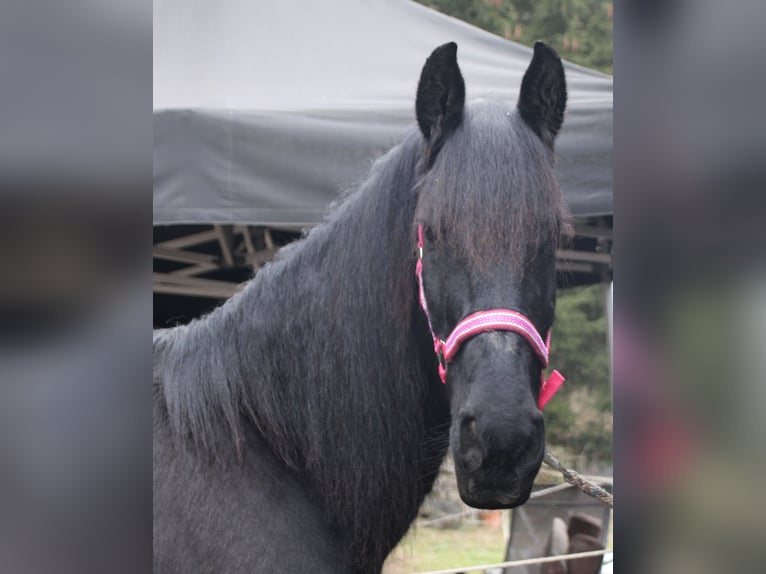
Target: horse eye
[430,235]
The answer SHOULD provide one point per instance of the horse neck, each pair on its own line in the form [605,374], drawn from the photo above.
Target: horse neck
[333,358]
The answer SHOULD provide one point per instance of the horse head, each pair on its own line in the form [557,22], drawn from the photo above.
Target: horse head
[489,216]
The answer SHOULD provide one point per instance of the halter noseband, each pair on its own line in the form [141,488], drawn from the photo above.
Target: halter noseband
[480,322]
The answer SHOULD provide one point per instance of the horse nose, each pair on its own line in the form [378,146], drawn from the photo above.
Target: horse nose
[520,437]
[483,439]
[532,433]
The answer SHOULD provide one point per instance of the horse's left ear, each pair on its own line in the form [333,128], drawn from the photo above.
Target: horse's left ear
[543,96]
[441,96]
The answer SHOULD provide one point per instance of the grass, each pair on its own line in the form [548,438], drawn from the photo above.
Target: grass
[425,548]
[433,549]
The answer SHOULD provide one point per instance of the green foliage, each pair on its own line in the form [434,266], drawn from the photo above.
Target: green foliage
[580,30]
[579,337]
[579,418]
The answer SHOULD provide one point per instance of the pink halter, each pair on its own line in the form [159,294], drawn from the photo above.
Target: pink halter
[480,322]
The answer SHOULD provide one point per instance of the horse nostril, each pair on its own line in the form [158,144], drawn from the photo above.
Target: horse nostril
[536,441]
[469,451]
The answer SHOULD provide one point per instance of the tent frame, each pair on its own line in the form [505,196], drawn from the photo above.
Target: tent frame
[225,247]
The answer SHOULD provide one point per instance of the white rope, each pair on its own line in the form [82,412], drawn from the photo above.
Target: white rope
[447,517]
[513,563]
[536,494]
[550,490]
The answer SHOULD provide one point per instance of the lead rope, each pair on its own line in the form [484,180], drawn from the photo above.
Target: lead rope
[578,481]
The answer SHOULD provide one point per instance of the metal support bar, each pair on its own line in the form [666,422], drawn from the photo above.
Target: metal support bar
[183,256]
[225,238]
[198,269]
[190,291]
[189,240]
[260,257]
[572,255]
[170,283]
[249,246]
[567,266]
[593,231]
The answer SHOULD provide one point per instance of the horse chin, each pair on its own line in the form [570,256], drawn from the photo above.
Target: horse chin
[479,490]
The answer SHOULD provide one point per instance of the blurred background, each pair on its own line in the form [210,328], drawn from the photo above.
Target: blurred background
[78,223]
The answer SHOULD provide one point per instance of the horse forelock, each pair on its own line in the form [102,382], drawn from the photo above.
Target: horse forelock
[492,192]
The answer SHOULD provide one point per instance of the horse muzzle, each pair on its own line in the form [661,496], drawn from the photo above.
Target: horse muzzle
[496,468]
[497,488]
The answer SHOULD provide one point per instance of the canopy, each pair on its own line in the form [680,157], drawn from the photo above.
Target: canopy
[265,111]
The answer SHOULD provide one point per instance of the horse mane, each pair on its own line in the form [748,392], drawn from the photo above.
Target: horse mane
[325,354]
[316,353]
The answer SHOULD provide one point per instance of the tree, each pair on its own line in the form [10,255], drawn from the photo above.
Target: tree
[580,30]
[580,416]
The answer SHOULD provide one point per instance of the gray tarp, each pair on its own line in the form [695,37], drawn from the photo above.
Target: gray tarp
[263,111]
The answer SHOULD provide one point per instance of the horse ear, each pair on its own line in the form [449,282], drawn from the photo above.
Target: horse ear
[543,96]
[441,96]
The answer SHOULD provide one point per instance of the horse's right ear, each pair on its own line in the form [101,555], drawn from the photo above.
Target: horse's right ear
[441,96]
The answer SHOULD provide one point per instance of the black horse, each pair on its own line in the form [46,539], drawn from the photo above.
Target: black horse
[298,427]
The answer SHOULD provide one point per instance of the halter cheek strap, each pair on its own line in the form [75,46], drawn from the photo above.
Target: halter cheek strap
[481,322]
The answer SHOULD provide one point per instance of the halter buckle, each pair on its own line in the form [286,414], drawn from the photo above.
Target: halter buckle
[442,366]
[439,350]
